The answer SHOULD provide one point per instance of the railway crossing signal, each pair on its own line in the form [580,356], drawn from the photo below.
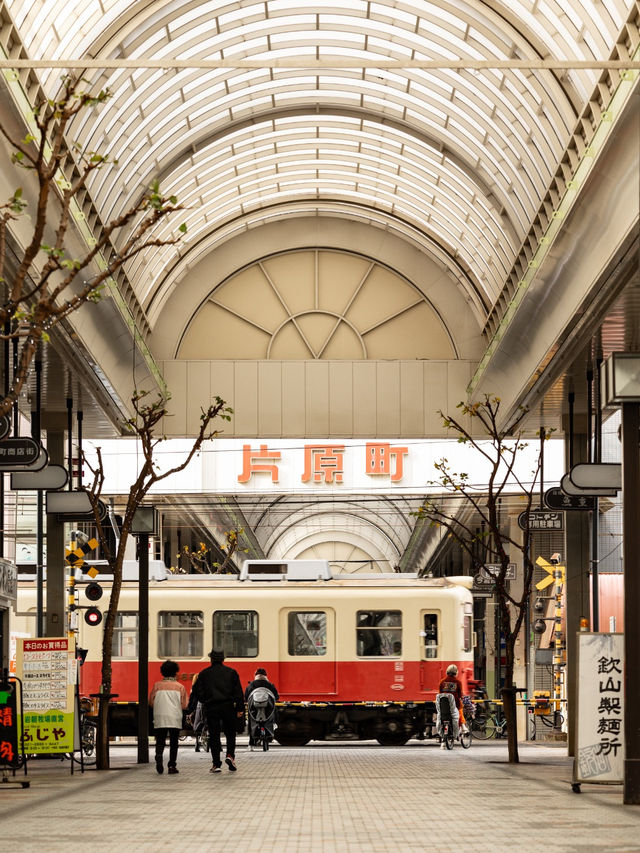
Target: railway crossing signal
[548,567]
[92,616]
[75,556]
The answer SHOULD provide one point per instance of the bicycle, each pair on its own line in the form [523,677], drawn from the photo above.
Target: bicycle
[488,723]
[85,754]
[261,737]
[552,720]
[447,734]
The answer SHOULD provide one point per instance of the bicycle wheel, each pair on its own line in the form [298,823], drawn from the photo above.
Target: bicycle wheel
[482,727]
[204,739]
[531,728]
[448,738]
[465,739]
[500,728]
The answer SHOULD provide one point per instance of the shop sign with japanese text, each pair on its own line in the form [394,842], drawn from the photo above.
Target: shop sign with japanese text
[362,466]
[47,668]
[10,753]
[600,729]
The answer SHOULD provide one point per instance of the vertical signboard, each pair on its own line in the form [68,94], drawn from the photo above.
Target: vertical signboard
[10,752]
[600,726]
[47,668]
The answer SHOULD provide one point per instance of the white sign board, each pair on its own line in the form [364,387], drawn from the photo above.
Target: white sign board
[312,466]
[600,727]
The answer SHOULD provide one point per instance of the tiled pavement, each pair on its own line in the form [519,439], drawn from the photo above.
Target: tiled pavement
[322,797]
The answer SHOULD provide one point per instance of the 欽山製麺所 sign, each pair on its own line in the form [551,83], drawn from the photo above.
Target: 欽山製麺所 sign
[600,720]
[47,667]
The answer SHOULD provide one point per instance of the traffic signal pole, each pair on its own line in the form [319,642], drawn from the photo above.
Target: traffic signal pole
[143,648]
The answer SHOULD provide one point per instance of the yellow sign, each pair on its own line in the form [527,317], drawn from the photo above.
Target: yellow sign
[551,568]
[75,556]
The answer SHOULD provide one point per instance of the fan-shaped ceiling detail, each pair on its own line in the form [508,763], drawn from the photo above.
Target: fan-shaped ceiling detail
[316,305]
[462,156]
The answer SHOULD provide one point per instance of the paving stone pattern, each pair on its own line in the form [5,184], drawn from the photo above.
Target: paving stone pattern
[319,799]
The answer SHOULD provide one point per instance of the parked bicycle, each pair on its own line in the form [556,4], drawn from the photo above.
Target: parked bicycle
[489,722]
[88,728]
[552,720]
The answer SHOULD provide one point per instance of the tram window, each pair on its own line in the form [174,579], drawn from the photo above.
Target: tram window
[379,633]
[307,634]
[180,633]
[125,635]
[431,635]
[468,634]
[236,631]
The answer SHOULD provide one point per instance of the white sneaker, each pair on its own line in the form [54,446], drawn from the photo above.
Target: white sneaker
[250,748]
[443,745]
[464,730]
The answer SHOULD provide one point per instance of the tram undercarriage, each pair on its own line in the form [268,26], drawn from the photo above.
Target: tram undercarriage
[389,724]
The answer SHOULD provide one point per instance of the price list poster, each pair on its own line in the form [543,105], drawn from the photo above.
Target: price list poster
[47,668]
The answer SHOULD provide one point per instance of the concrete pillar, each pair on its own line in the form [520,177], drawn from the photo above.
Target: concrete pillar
[56,622]
[577,597]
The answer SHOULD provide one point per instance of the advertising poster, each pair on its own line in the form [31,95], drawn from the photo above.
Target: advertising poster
[47,668]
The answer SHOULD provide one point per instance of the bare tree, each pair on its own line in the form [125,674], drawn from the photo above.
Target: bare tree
[500,449]
[44,284]
[143,425]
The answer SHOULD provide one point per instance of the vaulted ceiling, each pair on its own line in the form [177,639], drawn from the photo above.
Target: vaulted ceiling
[454,128]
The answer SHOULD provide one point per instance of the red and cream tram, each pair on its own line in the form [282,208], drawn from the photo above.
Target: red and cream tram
[353,656]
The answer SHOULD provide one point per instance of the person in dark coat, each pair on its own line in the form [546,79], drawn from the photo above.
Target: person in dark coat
[219,689]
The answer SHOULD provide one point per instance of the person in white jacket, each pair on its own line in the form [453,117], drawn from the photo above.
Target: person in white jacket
[169,699]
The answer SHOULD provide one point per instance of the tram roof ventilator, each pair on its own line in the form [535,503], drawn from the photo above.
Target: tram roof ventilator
[286,570]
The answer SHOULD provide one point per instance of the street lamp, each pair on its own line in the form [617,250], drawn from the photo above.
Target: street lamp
[143,524]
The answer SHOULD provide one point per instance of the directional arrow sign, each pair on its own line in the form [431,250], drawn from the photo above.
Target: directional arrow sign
[551,568]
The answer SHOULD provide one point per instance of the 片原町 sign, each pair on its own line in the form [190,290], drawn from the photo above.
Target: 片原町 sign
[237,466]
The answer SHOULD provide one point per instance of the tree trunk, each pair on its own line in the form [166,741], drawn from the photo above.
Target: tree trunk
[509,708]
[102,744]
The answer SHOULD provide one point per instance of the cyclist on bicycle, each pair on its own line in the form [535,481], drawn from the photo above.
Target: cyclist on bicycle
[452,684]
[260,680]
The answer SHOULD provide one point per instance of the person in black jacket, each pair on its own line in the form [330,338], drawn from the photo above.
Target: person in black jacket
[219,689]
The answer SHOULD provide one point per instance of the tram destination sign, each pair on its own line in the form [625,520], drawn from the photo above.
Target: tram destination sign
[557,499]
[542,519]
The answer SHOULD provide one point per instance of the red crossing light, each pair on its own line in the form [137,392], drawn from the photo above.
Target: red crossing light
[92,616]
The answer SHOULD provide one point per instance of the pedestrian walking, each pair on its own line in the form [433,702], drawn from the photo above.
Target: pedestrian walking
[168,699]
[219,689]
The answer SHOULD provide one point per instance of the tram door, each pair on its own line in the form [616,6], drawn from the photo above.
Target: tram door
[430,650]
[307,652]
